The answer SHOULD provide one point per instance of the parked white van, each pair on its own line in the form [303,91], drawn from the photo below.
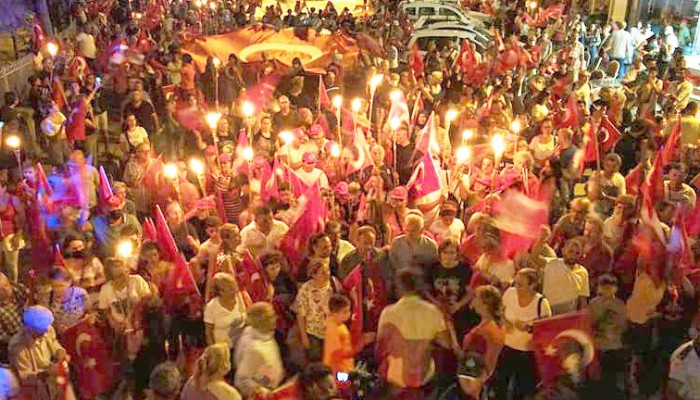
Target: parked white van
[447,11]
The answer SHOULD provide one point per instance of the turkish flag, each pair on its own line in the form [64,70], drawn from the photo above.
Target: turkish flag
[179,284]
[105,190]
[252,277]
[670,148]
[288,391]
[91,359]
[653,186]
[634,179]
[520,219]
[610,135]
[308,218]
[261,93]
[150,233]
[362,152]
[570,119]
[418,107]
[416,62]
[269,189]
[353,286]
[240,163]
[42,182]
[549,338]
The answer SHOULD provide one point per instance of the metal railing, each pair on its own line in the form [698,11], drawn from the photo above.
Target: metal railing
[14,76]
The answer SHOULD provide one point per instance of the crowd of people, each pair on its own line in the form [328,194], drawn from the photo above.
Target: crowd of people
[411,225]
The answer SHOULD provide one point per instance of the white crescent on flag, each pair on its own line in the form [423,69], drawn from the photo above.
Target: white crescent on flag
[83,337]
[584,340]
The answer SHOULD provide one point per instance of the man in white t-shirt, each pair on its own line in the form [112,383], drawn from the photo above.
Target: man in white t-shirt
[263,234]
[566,283]
[309,174]
[87,43]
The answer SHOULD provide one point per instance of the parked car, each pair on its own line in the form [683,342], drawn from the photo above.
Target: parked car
[445,11]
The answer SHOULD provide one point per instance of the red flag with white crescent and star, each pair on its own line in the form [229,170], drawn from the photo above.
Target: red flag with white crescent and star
[353,286]
[91,359]
[549,337]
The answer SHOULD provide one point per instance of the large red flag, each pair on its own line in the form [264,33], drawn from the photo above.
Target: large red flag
[353,286]
[611,135]
[692,221]
[179,283]
[591,149]
[252,277]
[679,245]
[467,58]
[362,152]
[670,148]
[653,186]
[91,359]
[150,233]
[427,185]
[418,107]
[268,188]
[240,163]
[427,140]
[571,117]
[289,390]
[105,190]
[416,63]
[42,182]
[308,218]
[549,338]
[295,183]
[324,102]
[261,93]
[520,219]
[633,180]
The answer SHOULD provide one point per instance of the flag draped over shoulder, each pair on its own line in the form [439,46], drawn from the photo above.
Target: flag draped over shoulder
[353,286]
[308,218]
[91,359]
[550,336]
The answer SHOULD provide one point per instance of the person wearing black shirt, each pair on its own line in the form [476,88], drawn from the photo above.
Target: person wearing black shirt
[143,111]
[449,286]
[405,156]
[285,118]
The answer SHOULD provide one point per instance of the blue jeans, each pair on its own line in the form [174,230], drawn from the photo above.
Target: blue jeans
[623,67]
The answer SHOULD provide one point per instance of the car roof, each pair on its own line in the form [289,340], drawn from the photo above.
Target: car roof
[471,36]
[455,25]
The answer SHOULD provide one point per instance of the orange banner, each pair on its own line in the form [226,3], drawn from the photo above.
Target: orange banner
[316,53]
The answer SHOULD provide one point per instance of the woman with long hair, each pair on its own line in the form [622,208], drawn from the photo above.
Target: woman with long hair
[523,305]
[207,381]
[485,341]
